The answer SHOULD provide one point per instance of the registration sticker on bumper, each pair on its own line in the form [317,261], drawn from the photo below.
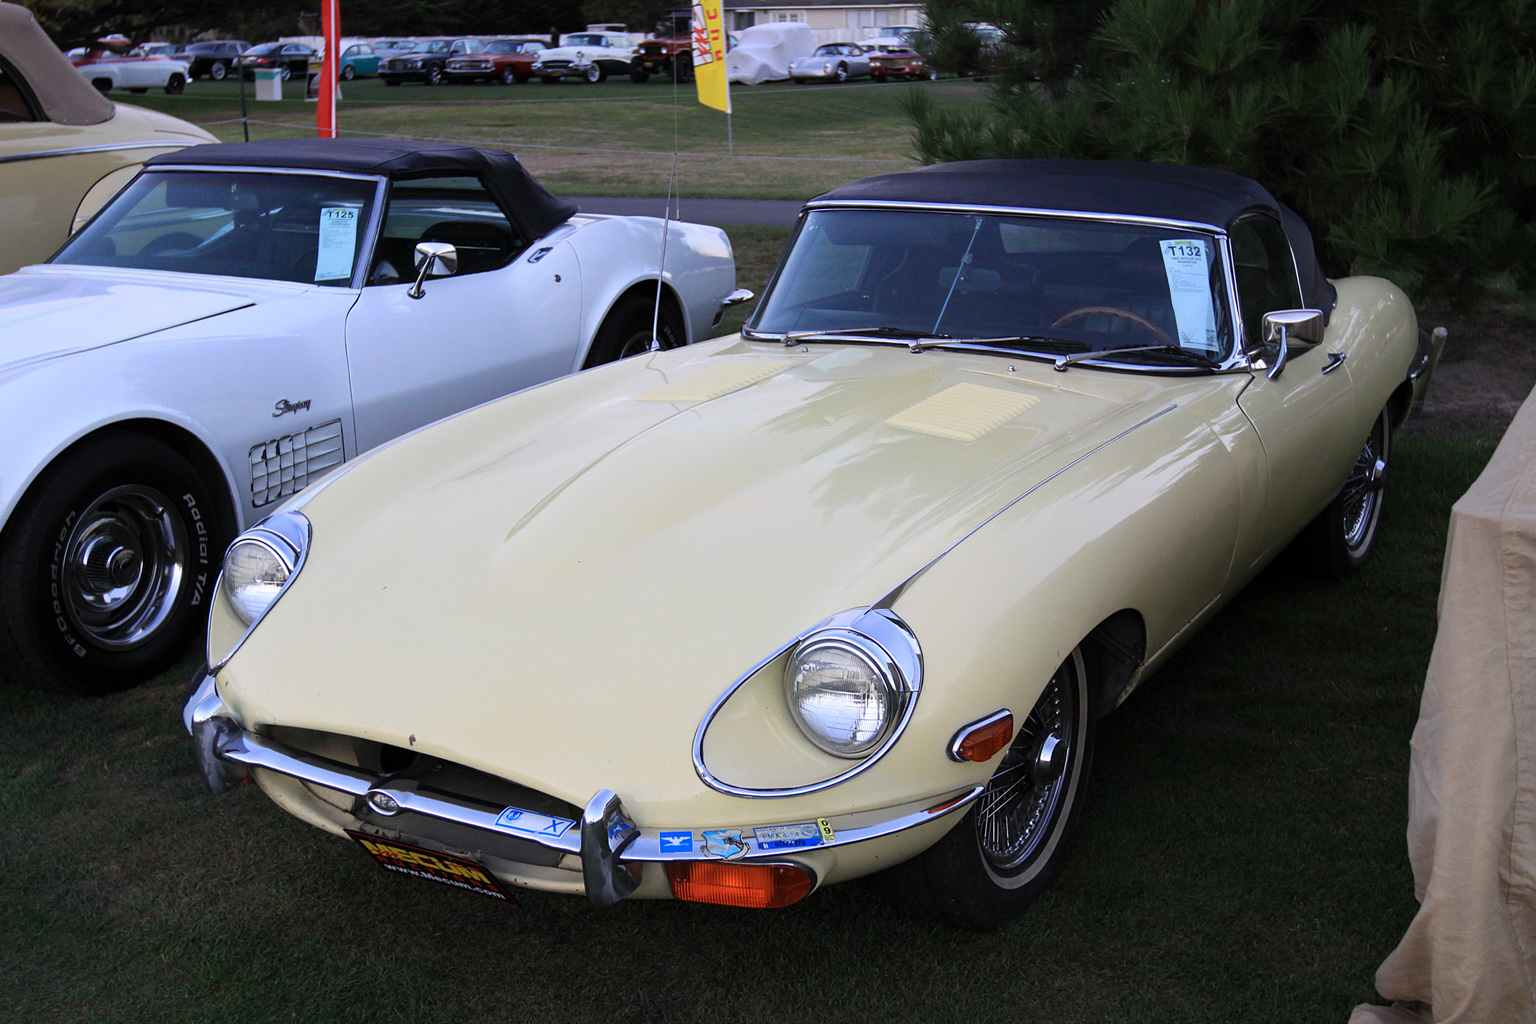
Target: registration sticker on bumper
[413,861]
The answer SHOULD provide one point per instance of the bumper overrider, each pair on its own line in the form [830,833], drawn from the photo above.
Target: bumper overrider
[612,850]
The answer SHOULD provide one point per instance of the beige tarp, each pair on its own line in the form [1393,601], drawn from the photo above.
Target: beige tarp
[1470,953]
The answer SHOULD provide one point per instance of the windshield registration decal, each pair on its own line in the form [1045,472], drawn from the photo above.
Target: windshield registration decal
[1187,263]
[338,242]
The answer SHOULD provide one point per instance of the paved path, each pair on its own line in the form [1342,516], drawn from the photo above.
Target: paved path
[779,213]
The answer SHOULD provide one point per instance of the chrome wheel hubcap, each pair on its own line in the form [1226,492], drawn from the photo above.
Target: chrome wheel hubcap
[123,565]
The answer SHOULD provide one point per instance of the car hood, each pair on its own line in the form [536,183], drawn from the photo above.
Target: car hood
[556,586]
[48,312]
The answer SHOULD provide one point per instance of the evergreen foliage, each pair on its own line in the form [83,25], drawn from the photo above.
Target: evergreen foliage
[1403,130]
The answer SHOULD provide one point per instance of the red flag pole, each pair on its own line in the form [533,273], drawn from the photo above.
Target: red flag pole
[325,112]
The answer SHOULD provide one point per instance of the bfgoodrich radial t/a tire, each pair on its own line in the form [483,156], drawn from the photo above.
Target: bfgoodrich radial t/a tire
[1013,841]
[106,566]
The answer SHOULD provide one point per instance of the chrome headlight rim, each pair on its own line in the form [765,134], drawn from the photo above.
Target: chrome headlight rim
[878,624]
[890,687]
[287,534]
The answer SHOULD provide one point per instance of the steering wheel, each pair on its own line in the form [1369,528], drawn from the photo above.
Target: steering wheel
[1122,314]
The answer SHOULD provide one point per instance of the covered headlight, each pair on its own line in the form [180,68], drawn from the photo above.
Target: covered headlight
[258,567]
[848,689]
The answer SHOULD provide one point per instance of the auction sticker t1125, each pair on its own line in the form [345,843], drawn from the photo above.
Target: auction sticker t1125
[413,861]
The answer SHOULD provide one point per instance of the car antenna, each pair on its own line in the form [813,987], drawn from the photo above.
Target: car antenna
[666,217]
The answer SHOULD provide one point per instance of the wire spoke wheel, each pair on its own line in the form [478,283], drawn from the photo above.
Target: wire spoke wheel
[1363,492]
[1021,800]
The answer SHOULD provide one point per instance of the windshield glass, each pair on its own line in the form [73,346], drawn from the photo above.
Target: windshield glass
[275,227]
[580,40]
[1085,284]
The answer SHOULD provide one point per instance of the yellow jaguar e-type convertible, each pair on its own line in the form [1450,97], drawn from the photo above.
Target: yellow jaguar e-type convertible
[844,593]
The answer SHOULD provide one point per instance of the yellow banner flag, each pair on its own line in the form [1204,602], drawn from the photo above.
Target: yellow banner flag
[709,55]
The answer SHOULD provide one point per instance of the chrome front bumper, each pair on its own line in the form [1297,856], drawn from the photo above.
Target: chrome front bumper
[1431,345]
[610,845]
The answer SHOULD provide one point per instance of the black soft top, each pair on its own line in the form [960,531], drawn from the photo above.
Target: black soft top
[1197,195]
[538,211]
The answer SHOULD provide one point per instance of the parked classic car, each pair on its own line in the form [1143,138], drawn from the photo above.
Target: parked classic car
[846,591]
[212,57]
[503,60]
[108,66]
[239,321]
[427,61]
[592,56]
[357,60]
[64,148]
[899,62]
[290,59]
[832,62]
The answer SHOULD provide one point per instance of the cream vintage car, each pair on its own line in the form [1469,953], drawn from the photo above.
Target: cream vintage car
[64,148]
[844,593]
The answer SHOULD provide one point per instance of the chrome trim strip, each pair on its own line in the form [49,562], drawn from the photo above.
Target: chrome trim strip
[882,627]
[895,595]
[244,748]
[1014,211]
[167,145]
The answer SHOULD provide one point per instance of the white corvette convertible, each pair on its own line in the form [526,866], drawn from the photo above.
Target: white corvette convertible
[243,318]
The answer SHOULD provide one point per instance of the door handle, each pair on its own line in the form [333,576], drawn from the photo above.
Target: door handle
[1335,360]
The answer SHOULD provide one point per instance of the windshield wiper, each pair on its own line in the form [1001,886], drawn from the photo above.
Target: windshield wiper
[917,338]
[1063,362]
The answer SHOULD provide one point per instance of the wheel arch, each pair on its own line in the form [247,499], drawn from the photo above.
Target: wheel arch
[646,290]
[1114,653]
[183,441]
[1400,405]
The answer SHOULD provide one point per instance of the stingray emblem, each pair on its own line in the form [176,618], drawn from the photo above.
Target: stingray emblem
[725,843]
[282,405]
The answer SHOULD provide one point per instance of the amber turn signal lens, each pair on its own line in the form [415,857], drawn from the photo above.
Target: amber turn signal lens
[980,741]
[759,886]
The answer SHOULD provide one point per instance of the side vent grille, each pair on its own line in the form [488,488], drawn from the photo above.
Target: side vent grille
[285,465]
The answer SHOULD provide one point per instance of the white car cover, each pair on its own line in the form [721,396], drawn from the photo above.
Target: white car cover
[762,53]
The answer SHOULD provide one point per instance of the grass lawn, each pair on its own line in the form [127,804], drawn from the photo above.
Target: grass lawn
[617,138]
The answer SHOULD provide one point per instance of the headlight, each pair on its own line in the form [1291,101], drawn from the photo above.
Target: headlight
[260,564]
[848,691]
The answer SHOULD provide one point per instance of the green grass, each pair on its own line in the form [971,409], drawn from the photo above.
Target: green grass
[1241,859]
[617,138]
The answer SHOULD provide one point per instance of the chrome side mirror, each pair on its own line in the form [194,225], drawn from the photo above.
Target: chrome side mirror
[433,259]
[1293,331]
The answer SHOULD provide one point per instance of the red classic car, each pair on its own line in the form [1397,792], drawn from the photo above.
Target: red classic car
[898,63]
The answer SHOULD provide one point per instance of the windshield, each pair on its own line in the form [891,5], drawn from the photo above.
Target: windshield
[1079,284]
[275,227]
[583,40]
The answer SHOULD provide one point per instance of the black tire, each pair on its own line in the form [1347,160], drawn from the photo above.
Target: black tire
[218,71]
[140,89]
[1342,539]
[102,85]
[626,331]
[878,78]
[596,73]
[507,76]
[987,869]
[841,74]
[348,72]
[107,565]
[639,77]
[175,85]
[682,68]
[550,79]
[285,72]
[433,75]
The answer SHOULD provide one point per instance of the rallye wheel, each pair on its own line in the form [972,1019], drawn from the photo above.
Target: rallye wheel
[1013,841]
[218,70]
[627,330]
[106,566]
[348,72]
[595,73]
[1342,539]
[174,85]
